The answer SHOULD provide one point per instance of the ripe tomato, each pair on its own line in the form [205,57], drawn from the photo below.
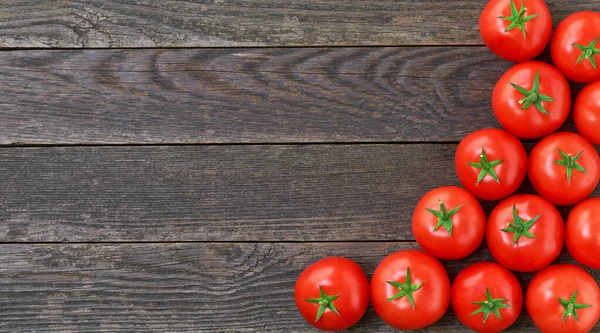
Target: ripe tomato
[448,222]
[574,48]
[486,297]
[332,294]
[586,112]
[491,163]
[583,232]
[410,290]
[516,30]
[532,99]
[563,299]
[525,233]
[563,168]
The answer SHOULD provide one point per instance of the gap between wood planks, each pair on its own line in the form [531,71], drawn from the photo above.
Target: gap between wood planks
[9,49]
[212,242]
[175,144]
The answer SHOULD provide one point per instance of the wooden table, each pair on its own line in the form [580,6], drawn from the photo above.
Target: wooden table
[172,166]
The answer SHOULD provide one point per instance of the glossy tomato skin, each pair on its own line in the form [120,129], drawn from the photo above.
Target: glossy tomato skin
[561,281]
[337,276]
[431,300]
[511,45]
[467,229]
[470,286]
[578,28]
[586,112]
[532,122]
[550,179]
[498,145]
[583,233]
[528,254]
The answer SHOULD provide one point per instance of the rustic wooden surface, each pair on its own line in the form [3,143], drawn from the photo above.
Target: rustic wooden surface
[246,95]
[219,23]
[172,166]
[219,193]
[213,287]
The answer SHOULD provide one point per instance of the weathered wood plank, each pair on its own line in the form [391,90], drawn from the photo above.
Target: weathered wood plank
[215,193]
[218,193]
[180,287]
[95,23]
[246,95]
[219,23]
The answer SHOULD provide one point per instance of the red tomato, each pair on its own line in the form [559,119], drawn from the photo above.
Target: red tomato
[563,299]
[486,297]
[491,163]
[516,30]
[587,112]
[525,233]
[574,48]
[583,233]
[532,99]
[449,222]
[410,290]
[332,294]
[563,168]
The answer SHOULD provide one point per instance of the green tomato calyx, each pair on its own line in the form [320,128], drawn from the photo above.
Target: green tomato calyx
[490,305]
[520,227]
[517,18]
[570,163]
[444,217]
[486,166]
[533,97]
[405,289]
[571,307]
[325,302]
[588,52]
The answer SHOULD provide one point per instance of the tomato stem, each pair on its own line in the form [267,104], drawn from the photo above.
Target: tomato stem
[520,227]
[533,97]
[444,217]
[490,305]
[570,163]
[571,307]
[588,52]
[529,99]
[517,18]
[405,289]
[486,166]
[325,302]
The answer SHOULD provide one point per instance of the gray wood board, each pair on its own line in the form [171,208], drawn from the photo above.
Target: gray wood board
[218,193]
[246,95]
[181,287]
[220,23]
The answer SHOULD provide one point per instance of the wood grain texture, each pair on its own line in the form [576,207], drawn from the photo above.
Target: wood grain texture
[218,193]
[219,23]
[182,287]
[246,95]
